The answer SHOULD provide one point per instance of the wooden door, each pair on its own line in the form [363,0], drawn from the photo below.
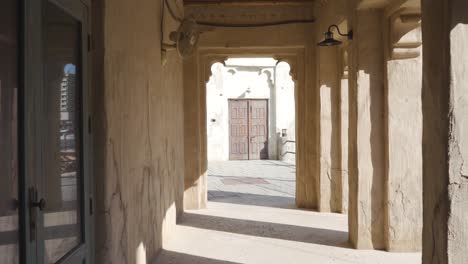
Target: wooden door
[248,129]
[258,129]
[238,130]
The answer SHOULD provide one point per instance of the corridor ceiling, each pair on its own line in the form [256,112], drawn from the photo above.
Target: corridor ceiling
[255,2]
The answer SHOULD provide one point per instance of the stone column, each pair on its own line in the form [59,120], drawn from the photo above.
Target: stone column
[404,133]
[307,130]
[366,131]
[344,117]
[194,154]
[330,195]
[445,131]
[272,113]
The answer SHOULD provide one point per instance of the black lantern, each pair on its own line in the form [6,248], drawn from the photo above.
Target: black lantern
[330,40]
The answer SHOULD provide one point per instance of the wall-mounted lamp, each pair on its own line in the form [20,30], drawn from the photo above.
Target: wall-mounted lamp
[330,41]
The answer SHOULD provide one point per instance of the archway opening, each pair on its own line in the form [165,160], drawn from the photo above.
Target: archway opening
[251,132]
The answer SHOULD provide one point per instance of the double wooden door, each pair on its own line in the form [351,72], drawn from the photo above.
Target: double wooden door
[45,170]
[248,129]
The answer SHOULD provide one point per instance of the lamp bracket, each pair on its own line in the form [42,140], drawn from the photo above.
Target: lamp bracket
[349,35]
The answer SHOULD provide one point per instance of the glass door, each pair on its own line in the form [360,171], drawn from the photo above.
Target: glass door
[62,183]
[58,173]
[45,202]
[9,171]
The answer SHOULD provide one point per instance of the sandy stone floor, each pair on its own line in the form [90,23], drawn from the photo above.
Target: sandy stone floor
[251,219]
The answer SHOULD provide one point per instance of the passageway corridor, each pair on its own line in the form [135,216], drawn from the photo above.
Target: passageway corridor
[251,219]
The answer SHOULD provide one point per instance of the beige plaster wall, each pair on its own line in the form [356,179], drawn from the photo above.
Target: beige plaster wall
[366,131]
[404,152]
[344,117]
[195,182]
[293,43]
[328,72]
[379,122]
[286,113]
[330,155]
[138,132]
[445,131]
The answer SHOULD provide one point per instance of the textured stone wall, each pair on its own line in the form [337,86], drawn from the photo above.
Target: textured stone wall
[344,117]
[138,132]
[329,71]
[445,131]
[379,122]
[195,182]
[330,157]
[404,150]
[385,127]
[366,132]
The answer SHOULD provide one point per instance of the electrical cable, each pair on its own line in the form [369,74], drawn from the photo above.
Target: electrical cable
[164,46]
[337,29]
[162,22]
[171,12]
[267,24]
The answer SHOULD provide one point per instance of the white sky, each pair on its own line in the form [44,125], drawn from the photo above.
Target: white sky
[251,62]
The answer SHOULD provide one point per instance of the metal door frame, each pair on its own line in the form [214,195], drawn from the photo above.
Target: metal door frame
[31,130]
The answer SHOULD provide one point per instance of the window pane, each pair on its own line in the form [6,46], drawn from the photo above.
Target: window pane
[62,146]
[8,132]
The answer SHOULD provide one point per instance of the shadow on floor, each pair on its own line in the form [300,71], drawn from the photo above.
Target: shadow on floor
[252,199]
[244,176]
[277,164]
[171,257]
[268,230]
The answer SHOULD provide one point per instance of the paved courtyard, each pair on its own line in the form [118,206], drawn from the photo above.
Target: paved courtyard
[254,182]
[251,219]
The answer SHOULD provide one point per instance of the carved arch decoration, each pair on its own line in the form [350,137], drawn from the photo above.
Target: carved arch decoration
[207,64]
[293,65]
[269,74]
[405,39]
[292,58]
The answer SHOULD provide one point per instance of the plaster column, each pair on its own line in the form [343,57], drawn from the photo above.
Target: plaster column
[404,133]
[366,132]
[307,99]
[194,127]
[272,114]
[330,188]
[445,131]
[344,117]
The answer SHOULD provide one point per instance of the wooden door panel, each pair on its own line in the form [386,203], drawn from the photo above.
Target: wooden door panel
[238,130]
[258,124]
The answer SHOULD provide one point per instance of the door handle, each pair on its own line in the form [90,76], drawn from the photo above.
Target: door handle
[33,203]
[41,204]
